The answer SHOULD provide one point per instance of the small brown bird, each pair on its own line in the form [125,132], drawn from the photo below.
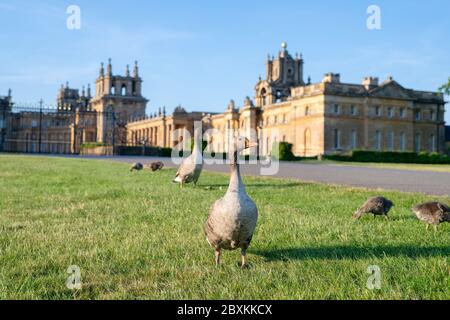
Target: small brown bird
[136,167]
[432,213]
[155,166]
[378,206]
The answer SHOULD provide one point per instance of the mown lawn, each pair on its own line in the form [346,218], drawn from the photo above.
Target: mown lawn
[138,236]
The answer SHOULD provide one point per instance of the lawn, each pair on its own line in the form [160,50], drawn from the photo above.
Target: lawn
[138,236]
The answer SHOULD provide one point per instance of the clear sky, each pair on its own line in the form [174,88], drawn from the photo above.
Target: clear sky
[201,54]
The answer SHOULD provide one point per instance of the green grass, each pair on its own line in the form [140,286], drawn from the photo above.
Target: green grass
[398,166]
[138,236]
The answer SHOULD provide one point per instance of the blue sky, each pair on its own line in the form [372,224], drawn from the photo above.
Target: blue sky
[201,54]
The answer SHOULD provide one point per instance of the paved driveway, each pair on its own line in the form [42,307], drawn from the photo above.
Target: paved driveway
[434,183]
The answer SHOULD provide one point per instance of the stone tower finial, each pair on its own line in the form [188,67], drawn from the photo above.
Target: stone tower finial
[136,70]
[9,93]
[284,45]
[89,90]
[67,84]
[102,69]
[83,91]
[127,71]
[109,67]
[309,80]
[164,111]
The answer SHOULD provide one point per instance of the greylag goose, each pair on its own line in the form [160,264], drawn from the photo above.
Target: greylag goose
[232,219]
[432,213]
[136,167]
[191,167]
[155,166]
[378,206]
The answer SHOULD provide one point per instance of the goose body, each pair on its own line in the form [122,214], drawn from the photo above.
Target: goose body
[378,206]
[136,167]
[232,219]
[191,167]
[432,213]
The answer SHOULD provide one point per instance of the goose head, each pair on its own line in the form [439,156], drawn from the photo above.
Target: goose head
[242,143]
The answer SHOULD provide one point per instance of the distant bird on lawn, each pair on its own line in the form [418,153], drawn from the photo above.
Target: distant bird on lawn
[155,166]
[191,167]
[378,206]
[232,219]
[136,167]
[433,213]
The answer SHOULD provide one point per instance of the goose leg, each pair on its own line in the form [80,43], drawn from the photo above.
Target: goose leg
[435,227]
[427,226]
[244,258]
[217,254]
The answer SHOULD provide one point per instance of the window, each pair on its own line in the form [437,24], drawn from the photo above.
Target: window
[378,140]
[402,142]
[353,140]
[34,124]
[123,91]
[390,141]
[402,112]
[418,143]
[417,115]
[390,112]
[336,109]
[432,115]
[432,143]
[307,111]
[353,110]
[337,139]
[284,118]
[377,111]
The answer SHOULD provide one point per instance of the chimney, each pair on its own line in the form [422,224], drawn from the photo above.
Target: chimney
[370,82]
[332,78]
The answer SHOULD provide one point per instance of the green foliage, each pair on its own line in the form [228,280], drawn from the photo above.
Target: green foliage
[283,151]
[445,88]
[146,151]
[138,236]
[91,145]
[391,157]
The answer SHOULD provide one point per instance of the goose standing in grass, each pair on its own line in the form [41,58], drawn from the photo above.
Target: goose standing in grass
[432,213]
[191,167]
[378,206]
[136,167]
[232,219]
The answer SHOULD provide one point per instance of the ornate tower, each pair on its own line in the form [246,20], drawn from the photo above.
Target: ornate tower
[282,74]
[118,99]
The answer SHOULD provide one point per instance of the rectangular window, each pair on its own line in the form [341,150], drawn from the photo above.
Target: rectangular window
[353,140]
[391,141]
[432,115]
[402,113]
[390,112]
[432,143]
[336,109]
[337,139]
[417,115]
[378,111]
[402,142]
[353,110]
[418,143]
[378,140]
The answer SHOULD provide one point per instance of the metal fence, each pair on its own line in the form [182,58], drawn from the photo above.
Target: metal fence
[45,129]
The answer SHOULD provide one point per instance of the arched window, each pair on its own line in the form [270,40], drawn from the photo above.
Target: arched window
[264,96]
[432,143]
[113,90]
[353,140]
[123,90]
[390,141]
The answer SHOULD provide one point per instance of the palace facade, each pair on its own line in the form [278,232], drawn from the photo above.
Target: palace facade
[317,118]
[324,117]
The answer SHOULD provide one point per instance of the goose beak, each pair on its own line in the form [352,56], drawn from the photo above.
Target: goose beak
[250,144]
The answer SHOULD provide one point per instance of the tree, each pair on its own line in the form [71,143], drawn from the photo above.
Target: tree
[445,88]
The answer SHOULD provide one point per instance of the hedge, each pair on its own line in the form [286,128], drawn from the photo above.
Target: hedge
[391,157]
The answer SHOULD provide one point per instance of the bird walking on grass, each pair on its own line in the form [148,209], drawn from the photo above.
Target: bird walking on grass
[191,167]
[432,213]
[232,219]
[155,166]
[378,206]
[136,167]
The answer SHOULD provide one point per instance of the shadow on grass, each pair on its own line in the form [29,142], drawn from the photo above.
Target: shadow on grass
[351,252]
[255,185]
